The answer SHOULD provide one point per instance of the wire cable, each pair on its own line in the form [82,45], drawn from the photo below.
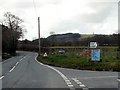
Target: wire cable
[35,8]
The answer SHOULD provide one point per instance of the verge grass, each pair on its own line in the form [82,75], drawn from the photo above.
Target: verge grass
[76,61]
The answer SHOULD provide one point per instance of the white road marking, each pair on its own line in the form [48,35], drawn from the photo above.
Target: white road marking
[82,85]
[74,78]
[21,59]
[12,69]
[79,83]
[61,74]
[68,82]
[70,86]
[118,80]
[16,63]
[2,77]
[38,61]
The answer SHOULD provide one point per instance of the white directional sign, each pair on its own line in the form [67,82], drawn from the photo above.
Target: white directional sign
[93,44]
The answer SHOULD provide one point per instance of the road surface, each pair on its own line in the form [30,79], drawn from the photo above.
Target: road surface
[24,71]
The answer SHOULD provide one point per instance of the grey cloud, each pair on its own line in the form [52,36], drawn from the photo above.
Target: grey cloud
[28,4]
[103,10]
[38,3]
[18,4]
[69,25]
[82,22]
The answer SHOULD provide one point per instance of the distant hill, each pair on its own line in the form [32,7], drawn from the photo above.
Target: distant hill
[67,36]
[84,36]
[74,39]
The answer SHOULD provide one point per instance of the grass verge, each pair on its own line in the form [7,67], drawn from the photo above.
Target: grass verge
[75,61]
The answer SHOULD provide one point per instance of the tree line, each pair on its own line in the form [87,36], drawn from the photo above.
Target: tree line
[12,30]
[69,39]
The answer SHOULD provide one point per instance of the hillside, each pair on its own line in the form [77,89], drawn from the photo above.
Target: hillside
[74,39]
[67,36]
[84,36]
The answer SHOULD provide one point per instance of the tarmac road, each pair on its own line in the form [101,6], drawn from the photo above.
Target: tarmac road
[24,71]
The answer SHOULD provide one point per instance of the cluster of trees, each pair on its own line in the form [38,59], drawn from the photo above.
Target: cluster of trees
[52,40]
[11,32]
[77,40]
[69,39]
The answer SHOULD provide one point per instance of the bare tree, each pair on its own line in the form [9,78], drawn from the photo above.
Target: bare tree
[14,23]
[16,29]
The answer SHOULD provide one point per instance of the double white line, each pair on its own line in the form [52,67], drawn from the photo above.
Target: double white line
[78,82]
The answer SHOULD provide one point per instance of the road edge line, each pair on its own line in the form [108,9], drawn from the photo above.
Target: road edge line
[2,77]
[118,80]
[69,84]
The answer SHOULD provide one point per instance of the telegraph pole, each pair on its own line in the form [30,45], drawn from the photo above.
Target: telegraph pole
[39,32]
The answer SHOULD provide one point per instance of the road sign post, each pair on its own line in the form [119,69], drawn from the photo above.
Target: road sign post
[95,55]
[94,52]
[93,44]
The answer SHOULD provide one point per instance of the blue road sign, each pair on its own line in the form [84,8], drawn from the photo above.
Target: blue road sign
[95,55]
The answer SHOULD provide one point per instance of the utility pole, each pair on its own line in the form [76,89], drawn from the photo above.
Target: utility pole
[39,32]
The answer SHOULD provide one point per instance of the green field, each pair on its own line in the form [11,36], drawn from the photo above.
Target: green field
[80,60]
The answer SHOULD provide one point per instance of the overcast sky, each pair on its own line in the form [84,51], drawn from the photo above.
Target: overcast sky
[64,16]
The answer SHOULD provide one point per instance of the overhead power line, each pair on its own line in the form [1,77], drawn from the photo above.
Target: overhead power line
[38,24]
[35,8]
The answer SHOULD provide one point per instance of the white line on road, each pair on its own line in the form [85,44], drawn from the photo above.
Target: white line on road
[82,85]
[21,59]
[78,82]
[68,82]
[2,77]
[38,61]
[70,86]
[16,63]
[12,69]
[61,74]
[118,80]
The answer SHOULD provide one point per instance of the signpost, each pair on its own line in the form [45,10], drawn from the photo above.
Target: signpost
[93,44]
[94,54]
[39,32]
